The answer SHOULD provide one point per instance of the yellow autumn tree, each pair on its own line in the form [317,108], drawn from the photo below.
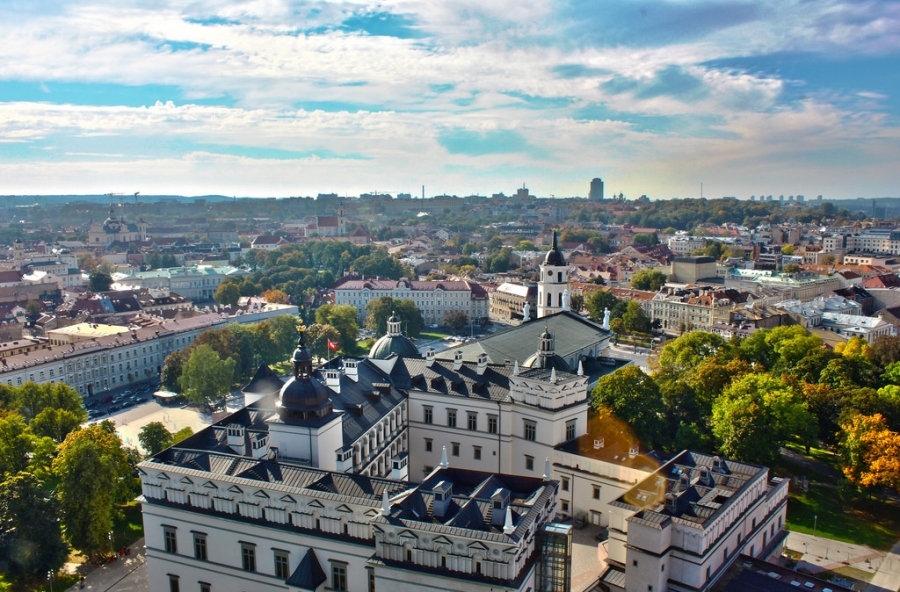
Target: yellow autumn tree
[871,452]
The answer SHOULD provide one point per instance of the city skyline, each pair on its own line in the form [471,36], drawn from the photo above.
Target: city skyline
[296,98]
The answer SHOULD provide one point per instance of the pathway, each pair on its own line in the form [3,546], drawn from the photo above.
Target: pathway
[887,578]
[125,574]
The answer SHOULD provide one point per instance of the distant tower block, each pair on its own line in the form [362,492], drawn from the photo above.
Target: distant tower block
[596,193]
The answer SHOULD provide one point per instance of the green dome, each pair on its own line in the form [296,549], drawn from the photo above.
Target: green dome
[393,344]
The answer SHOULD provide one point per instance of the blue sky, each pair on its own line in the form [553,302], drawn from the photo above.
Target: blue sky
[281,98]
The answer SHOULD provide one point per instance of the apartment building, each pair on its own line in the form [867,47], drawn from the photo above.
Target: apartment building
[433,298]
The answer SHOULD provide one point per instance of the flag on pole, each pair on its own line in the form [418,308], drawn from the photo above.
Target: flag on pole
[332,345]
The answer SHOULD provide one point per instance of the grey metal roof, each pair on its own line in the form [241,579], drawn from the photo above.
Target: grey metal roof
[572,333]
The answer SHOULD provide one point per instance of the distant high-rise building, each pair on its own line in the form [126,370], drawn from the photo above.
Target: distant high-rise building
[596,193]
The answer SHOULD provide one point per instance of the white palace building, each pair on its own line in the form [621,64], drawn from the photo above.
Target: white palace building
[401,472]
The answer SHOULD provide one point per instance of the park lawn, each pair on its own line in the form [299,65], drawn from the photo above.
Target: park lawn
[129,527]
[432,335]
[868,522]
[820,454]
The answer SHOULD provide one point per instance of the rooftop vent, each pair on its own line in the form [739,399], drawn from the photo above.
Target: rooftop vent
[598,443]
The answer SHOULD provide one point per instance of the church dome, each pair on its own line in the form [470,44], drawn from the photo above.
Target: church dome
[303,398]
[546,356]
[393,343]
[554,255]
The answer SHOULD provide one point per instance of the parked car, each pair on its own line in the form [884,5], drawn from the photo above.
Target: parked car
[127,403]
[107,399]
[112,408]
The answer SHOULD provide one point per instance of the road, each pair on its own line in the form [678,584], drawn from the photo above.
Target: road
[627,352]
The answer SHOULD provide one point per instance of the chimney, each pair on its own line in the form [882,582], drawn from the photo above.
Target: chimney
[351,369]
[598,443]
[633,451]
[443,494]
[684,481]
[333,380]
[516,369]
[429,357]
[499,503]
[482,363]
[444,462]
[706,477]
[457,360]
[672,503]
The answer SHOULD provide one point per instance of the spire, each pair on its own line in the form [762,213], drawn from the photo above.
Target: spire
[580,368]
[552,374]
[508,527]
[555,248]
[548,471]
[444,463]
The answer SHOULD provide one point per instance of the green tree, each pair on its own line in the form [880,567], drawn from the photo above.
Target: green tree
[183,433]
[31,541]
[205,377]
[227,293]
[577,302]
[598,302]
[634,318]
[154,437]
[343,318]
[284,330]
[648,239]
[171,370]
[690,350]
[755,416]
[91,468]
[648,279]
[318,336]
[99,281]
[33,308]
[787,250]
[456,319]
[57,423]
[633,397]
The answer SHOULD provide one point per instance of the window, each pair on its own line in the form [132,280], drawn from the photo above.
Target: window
[596,492]
[451,418]
[248,557]
[634,562]
[371,577]
[476,452]
[339,576]
[429,414]
[455,448]
[529,463]
[281,564]
[170,540]
[428,445]
[565,484]
[472,421]
[204,587]
[570,429]
[492,424]
[174,586]
[530,430]
[565,507]
[200,546]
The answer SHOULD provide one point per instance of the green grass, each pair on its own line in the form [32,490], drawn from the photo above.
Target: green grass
[819,454]
[868,522]
[785,468]
[433,335]
[128,528]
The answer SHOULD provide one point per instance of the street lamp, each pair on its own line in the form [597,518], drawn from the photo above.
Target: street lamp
[815,524]
[50,578]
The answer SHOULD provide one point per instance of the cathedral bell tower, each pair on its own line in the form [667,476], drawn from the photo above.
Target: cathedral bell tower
[553,285]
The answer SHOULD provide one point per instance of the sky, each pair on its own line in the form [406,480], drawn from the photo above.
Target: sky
[281,98]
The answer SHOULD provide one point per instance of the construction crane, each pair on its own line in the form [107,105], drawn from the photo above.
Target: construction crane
[136,194]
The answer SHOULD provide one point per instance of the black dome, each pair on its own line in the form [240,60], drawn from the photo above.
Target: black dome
[393,344]
[303,397]
[554,256]
[547,362]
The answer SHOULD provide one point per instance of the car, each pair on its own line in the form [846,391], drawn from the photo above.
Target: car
[126,404]
[107,399]
[95,414]
[91,404]
[112,408]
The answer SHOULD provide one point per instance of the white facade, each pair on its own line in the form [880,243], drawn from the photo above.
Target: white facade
[554,283]
[433,298]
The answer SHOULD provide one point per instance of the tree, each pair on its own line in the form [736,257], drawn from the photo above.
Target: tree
[205,377]
[343,318]
[57,423]
[171,370]
[791,268]
[870,452]
[755,416]
[99,281]
[633,397]
[600,301]
[275,296]
[318,336]
[227,293]
[634,318]
[91,468]
[690,350]
[183,433]
[648,279]
[154,437]
[31,541]
[284,330]
[456,319]
[577,302]
[828,260]
[787,250]
[33,308]
[648,239]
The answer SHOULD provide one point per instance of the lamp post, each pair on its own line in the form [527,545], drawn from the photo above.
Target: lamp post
[50,578]
[815,524]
